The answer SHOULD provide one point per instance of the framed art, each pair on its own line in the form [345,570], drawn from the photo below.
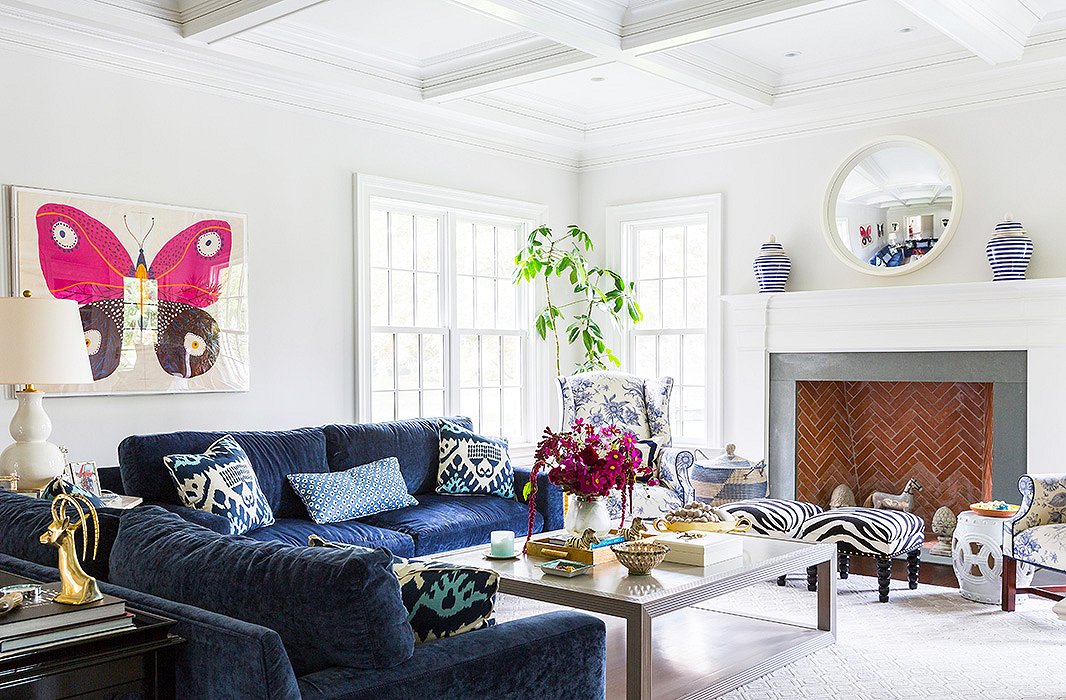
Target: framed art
[84,475]
[162,289]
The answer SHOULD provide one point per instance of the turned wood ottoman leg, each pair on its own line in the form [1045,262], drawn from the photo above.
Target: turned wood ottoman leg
[884,577]
[914,561]
[842,563]
[780,580]
[812,578]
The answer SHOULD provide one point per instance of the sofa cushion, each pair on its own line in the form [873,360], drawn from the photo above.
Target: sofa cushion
[23,519]
[472,464]
[416,443]
[354,493]
[442,600]
[273,454]
[442,523]
[330,607]
[295,531]
[221,481]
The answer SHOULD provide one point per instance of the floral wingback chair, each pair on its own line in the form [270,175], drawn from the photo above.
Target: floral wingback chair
[643,407]
[1036,535]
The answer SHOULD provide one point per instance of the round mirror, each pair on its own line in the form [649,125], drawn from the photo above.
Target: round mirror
[892,207]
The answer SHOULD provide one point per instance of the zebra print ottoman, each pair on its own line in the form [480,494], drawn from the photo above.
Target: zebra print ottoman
[774,517]
[871,532]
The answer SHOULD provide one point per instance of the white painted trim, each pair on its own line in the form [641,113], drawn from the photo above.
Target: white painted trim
[368,189]
[829,205]
[619,217]
[213,20]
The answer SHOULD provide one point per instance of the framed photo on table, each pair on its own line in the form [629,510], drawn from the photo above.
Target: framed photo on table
[84,475]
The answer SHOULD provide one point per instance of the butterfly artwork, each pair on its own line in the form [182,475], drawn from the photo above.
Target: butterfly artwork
[153,284]
[866,234]
[880,230]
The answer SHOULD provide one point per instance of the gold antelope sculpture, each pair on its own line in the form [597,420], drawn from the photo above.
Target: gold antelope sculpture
[78,587]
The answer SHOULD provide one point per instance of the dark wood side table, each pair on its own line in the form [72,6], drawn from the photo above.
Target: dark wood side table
[132,663]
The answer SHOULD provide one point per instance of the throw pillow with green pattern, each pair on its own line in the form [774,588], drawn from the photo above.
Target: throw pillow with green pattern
[442,600]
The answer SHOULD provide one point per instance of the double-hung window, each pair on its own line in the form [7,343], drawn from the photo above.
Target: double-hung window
[442,328]
[672,251]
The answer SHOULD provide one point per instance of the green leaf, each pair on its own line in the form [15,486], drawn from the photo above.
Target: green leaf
[527,490]
[542,330]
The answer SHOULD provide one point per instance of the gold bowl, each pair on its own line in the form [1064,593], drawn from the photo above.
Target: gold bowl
[640,556]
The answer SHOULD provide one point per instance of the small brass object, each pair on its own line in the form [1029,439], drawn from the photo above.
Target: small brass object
[9,601]
[78,587]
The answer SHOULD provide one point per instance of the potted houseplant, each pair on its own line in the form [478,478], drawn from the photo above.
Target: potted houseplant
[589,462]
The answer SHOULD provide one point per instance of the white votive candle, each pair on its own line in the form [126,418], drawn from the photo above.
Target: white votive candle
[502,543]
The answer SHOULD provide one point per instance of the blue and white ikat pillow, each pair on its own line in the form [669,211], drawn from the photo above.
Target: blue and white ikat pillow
[333,497]
[222,481]
[473,464]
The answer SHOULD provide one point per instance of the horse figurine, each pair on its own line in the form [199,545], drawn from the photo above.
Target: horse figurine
[889,501]
[78,587]
[635,531]
[587,539]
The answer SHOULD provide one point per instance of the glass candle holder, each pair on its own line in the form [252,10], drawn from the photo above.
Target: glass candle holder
[501,543]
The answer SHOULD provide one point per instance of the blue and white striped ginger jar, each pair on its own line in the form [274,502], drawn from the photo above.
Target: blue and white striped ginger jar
[772,267]
[1009,251]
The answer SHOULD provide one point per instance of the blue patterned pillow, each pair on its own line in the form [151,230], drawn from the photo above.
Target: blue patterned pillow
[221,481]
[472,464]
[372,488]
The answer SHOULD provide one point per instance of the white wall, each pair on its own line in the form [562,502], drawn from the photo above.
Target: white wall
[81,129]
[1009,159]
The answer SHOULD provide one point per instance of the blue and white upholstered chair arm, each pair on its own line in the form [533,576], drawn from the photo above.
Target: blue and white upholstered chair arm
[674,471]
[1043,503]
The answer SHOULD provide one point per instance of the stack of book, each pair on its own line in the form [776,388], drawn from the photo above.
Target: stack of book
[38,625]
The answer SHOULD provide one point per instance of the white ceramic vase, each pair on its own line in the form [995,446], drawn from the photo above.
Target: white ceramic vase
[583,512]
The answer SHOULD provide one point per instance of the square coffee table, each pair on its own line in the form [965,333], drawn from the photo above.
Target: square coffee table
[702,653]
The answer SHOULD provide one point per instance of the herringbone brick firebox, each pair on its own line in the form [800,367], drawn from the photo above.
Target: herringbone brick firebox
[874,436]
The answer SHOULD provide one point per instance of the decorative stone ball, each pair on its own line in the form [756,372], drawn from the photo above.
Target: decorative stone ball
[1009,251]
[843,497]
[772,267]
[944,522]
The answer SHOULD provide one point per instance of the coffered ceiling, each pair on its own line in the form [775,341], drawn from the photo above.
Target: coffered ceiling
[579,83]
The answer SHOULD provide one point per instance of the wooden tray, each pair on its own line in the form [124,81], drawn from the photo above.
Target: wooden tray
[600,555]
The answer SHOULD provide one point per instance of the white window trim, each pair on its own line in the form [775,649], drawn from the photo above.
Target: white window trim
[371,188]
[627,215]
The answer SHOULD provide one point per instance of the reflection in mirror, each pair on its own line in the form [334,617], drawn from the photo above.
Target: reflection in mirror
[894,205]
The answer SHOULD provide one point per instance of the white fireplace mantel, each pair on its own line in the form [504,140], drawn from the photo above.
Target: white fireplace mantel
[1028,315]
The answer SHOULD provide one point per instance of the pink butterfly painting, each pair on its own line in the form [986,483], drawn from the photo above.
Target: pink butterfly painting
[866,234]
[127,304]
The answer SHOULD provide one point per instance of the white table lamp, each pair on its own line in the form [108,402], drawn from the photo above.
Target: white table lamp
[41,342]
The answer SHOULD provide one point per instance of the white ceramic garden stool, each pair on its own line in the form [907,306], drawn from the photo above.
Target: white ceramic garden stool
[977,557]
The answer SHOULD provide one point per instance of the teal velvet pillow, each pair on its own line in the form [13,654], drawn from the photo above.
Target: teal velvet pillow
[442,600]
[473,464]
[334,497]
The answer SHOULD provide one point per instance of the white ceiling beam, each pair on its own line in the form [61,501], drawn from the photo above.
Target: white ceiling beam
[994,30]
[706,20]
[515,69]
[213,20]
[598,37]
[715,72]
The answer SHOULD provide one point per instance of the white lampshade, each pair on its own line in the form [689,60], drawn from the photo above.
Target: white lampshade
[42,342]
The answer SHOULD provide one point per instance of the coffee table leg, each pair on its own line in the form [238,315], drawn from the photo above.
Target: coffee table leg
[638,656]
[827,598]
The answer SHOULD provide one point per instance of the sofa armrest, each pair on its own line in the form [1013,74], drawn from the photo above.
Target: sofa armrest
[211,521]
[517,659]
[549,501]
[221,657]
[675,471]
[1043,503]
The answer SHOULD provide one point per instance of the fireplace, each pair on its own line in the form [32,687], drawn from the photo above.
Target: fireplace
[956,421]
[876,436]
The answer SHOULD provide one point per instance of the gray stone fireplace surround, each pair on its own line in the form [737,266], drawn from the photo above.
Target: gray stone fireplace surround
[1006,370]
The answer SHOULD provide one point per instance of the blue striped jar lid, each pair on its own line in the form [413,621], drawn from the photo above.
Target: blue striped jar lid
[1007,227]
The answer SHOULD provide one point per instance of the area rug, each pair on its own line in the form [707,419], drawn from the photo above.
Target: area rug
[927,643]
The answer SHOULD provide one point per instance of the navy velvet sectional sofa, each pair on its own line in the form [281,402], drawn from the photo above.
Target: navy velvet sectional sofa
[437,524]
[271,620]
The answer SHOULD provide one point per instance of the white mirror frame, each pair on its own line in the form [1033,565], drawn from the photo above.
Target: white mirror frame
[829,209]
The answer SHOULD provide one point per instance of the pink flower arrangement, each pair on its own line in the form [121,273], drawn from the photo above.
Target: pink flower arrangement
[588,461]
